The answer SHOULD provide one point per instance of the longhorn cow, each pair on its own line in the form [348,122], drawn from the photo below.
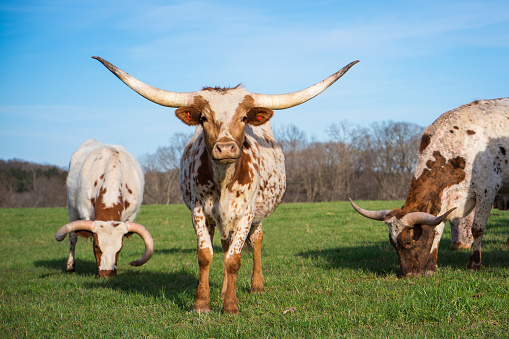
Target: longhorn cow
[104,194]
[232,172]
[463,164]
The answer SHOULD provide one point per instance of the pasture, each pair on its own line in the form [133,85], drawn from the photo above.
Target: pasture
[328,272]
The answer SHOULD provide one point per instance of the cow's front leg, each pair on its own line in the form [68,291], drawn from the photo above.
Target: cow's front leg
[71,265]
[482,213]
[232,263]
[225,243]
[461,232]
[256,239]
[205,252]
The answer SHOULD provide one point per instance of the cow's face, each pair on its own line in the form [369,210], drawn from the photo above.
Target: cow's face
[224,114]
[108,237]
[413,245]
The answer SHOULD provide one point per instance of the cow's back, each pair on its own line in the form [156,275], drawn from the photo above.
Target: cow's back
[107,170]
[475,132]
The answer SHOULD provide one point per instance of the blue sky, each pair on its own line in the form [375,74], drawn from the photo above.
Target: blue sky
[417,60]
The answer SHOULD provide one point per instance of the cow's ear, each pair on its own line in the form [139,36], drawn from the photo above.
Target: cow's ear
[189,115]
[259,115]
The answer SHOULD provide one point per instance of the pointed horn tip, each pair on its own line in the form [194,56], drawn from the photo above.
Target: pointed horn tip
[60,237]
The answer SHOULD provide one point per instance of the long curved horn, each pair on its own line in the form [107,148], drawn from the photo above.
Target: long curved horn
[282,101]
[423,218]
[375,215]
[78,225]
[159,96]
[147,238]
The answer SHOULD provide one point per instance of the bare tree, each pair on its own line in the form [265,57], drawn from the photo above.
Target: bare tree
[162,183]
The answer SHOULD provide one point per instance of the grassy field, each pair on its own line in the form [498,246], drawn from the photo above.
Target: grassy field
[328,273]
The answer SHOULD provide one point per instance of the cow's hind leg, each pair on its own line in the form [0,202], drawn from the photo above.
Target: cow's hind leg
[255,241]
[71,265]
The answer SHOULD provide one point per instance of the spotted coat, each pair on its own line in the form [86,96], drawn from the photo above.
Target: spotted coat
[235,195]
[463,164]
[105,184]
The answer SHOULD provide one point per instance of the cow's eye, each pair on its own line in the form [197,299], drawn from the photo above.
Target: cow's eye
[203,118]
[244,119]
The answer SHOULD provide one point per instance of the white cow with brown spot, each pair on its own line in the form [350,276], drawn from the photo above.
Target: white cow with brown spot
[463,164]
[232,171]
[104,194]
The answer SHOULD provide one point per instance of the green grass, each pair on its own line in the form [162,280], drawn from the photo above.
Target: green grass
[328,273]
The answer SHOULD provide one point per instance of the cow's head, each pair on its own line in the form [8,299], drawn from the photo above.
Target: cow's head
[224,113]
[411,234]
[108,236]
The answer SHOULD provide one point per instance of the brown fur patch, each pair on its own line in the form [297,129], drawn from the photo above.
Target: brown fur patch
[425,192]
[243,173]
[470,132]
[101,212]
[205,171]
[425,140]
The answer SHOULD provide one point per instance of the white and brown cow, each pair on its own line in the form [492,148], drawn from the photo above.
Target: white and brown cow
[463,164]
[232,171]
[104,194]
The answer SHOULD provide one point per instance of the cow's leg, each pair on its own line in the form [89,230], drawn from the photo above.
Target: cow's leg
[232,263]
[73,238]
[225,243]
[461,232]
[255,240]
[205,252]
[482,213]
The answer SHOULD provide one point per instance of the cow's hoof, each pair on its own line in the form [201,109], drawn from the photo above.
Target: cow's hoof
[71,270]
[233,311]
[201,310]
[201,306]
[456,246]
[257,290]
[474,267]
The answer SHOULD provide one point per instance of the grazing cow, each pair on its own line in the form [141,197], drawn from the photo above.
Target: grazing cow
[463,163]
[104,194]
[232,171]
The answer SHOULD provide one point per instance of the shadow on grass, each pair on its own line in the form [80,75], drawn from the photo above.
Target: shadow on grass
[83,267]
[178,286]
[166,251]
[381,258]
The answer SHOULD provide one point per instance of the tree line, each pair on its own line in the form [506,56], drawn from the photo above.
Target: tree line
[367,163]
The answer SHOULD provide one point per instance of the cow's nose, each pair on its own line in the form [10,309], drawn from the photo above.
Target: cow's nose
[226,150]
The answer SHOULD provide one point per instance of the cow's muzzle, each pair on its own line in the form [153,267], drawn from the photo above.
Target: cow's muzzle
[226,151]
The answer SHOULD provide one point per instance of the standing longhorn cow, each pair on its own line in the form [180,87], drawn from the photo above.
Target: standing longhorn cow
[463,164]
[104,194]
[232,172]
